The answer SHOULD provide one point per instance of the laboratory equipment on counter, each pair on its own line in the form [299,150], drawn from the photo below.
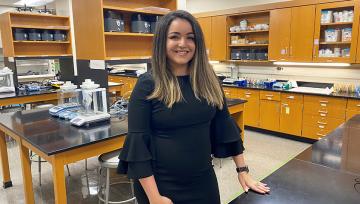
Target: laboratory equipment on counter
[6,80]
[94,104]
[56,110]
[228,81]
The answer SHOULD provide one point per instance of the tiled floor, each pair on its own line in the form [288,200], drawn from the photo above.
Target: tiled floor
[264,154]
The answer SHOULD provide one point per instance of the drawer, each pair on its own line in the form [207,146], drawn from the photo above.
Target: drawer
[314,132]
[324,101]
[292,98]
[270,95]
[324,111]
[230,92]
[322,122]
[249,94]
[353,105]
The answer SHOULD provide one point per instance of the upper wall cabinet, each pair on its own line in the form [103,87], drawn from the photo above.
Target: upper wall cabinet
[291,34]
[214,29]
[336,32]
[248,36]
[35,35]
[116,29]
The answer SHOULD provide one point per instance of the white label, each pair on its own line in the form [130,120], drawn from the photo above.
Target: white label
[283,52]
[97,64]
[316,41]
[287,110]
[11,59]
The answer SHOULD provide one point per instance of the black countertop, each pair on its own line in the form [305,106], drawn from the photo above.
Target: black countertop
[302,182]
[259,87]
[326,172]
[53,135]
[27,93]
[124,74]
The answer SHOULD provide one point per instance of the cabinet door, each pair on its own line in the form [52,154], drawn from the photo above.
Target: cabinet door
[291,118]
[205,24]
[218,38]
[269,115]
[252,106]
[320,28]
[279,34]
[302,33]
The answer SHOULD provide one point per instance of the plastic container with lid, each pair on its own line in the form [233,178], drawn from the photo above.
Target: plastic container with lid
[113,21]
[20,34]
[140,23]
[34,35]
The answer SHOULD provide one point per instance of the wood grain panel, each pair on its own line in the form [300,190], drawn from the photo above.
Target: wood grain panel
[121,46]
[302,33]
[89,29]
[279,34]
[6,35]
[218,38]
[205,24]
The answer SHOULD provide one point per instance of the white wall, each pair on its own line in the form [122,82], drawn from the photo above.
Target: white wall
[197,6]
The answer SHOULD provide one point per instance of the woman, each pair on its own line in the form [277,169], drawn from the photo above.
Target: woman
[177,118]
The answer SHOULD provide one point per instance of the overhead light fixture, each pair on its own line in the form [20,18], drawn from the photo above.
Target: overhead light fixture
[32,2]
[312,64]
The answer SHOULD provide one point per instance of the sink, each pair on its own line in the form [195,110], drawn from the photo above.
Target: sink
[325,91]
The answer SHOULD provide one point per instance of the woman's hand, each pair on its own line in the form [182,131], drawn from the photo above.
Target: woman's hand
[161,200]
[249,183]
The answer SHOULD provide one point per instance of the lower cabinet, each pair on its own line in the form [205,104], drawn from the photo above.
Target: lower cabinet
[269,110]
[291,114]
[252,107]
[128,83]
[353,108]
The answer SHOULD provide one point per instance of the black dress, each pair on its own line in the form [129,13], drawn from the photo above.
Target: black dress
[175,145]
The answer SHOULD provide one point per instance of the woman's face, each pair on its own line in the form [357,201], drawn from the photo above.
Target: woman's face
[180,43]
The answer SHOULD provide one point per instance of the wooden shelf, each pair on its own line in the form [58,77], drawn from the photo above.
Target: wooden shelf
[249,45]
[37,14]
[250,31]
[128,34]
[41,27]
[335,43]
[132,10]
[55,55]
[128,58]
[44,42]
[260,61]
[338,23]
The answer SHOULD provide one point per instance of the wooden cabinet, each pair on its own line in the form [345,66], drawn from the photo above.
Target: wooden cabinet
[11,21]
[214,29]
[231,92]
[340,49]
[353,108]
[128,83]
[291,34]
[279,34]
[252,106]
[248,44]
[93,42]
[205,24]
[269,110]
[291,113]
[321,115]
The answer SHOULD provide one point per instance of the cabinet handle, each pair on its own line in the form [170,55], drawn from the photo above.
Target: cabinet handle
[323,104]
[247,93]
[290,97]
[321,126]
[358,105]
[322,135]
[325,112]
[321,123]
[269,98]
[322,114]
[285,104]
[269,95]
[324,101]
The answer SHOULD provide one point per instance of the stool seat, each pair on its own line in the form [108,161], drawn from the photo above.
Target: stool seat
[110,159]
